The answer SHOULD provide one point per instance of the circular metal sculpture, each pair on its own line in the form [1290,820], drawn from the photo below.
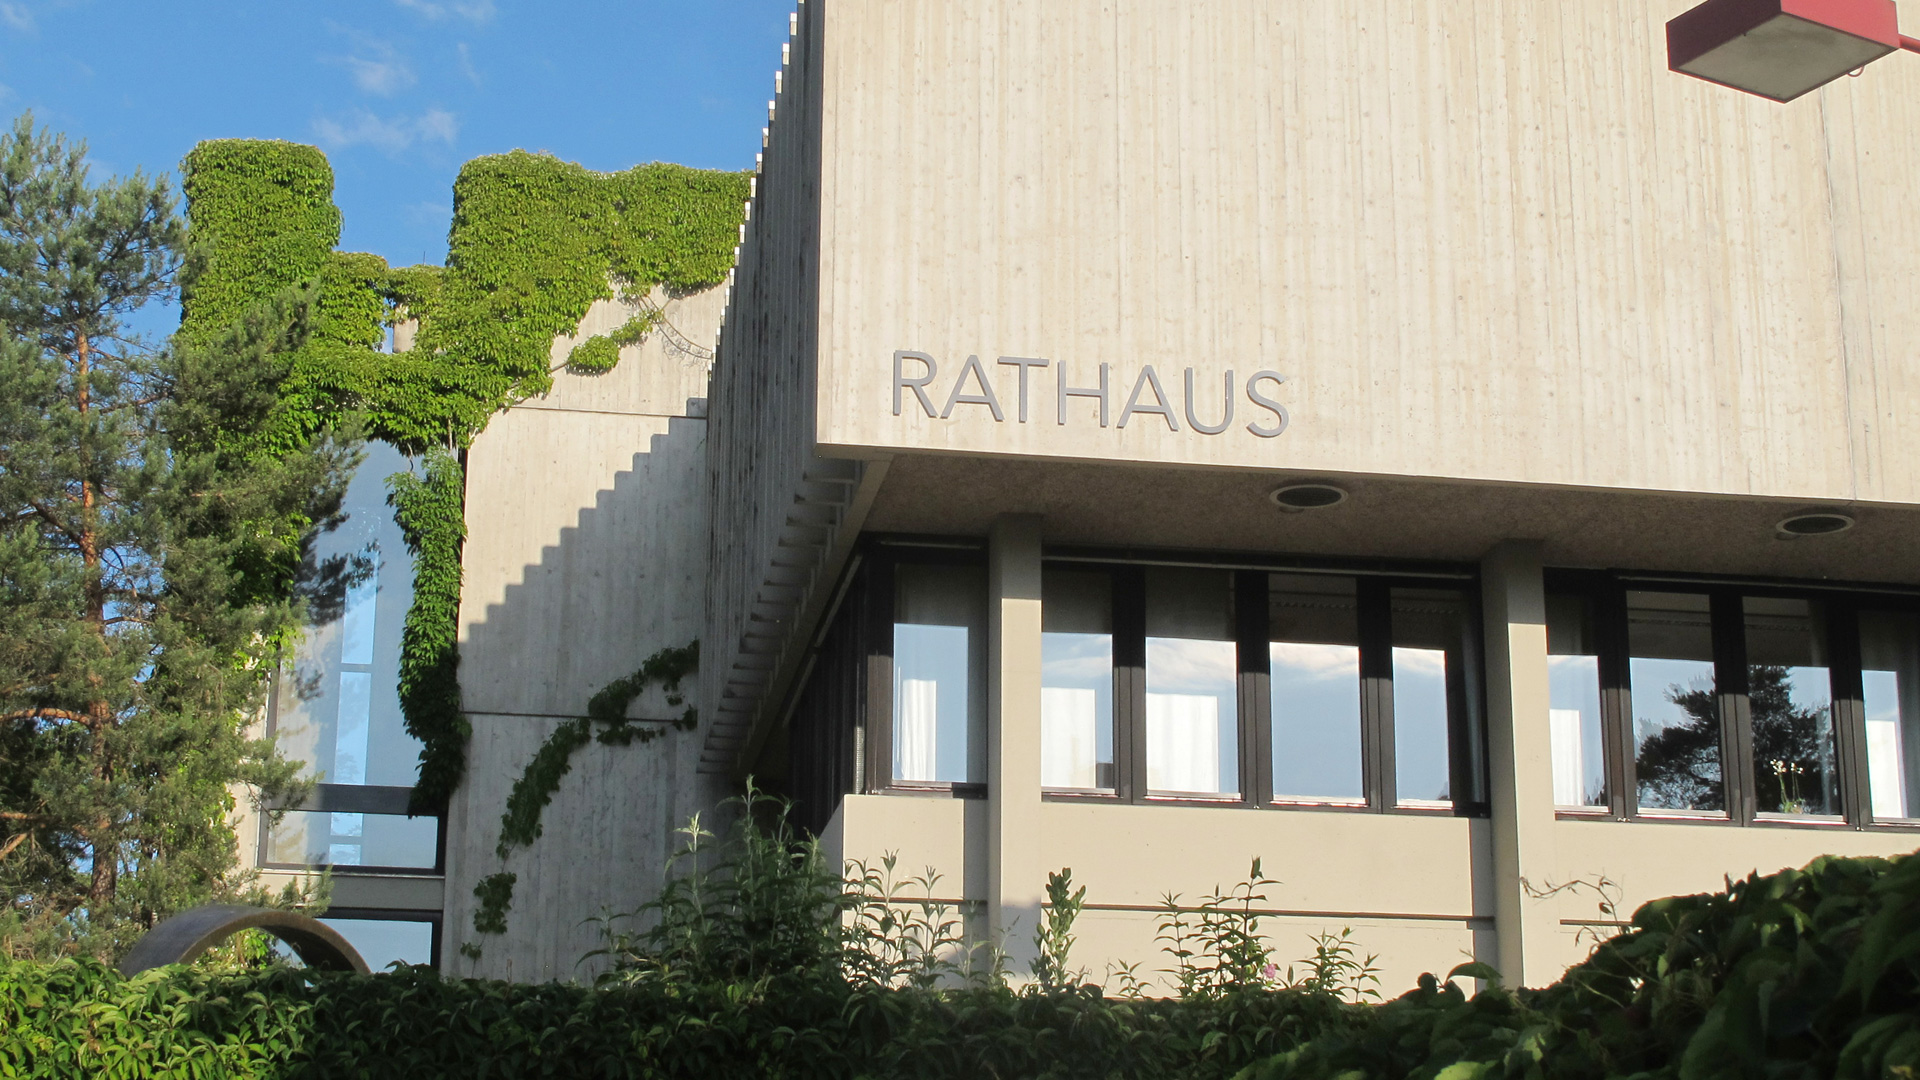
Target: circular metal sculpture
[185,936]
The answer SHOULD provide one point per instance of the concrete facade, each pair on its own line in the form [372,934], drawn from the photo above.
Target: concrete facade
[1534,302]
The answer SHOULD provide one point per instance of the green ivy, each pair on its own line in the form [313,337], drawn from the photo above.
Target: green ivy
[535,241]
[534,790]
[431,511]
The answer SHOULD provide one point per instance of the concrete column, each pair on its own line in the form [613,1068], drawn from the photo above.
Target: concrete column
[1016,878]
[1519,736]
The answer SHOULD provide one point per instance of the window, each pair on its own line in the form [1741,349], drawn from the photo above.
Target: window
[1735,703]
[1250,687]
[1193,686]
[1313,658]
[1573,690]
[1158,683]
[1076,681]
[1676,704]
[336,707]
[1890,684]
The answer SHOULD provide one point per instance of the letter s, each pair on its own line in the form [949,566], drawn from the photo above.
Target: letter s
[1278,410]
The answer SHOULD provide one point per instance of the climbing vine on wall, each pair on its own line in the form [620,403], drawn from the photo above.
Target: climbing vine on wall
[535,241]
[607,712]
[430,511]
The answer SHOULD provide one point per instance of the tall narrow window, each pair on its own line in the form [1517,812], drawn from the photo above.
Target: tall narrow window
[1076,680]
[1193,744]
[1314,652]
[1676,708]
[939,673]
[1430,630]
[1890,678]
[1790,701]
[1573,690]
[337,705]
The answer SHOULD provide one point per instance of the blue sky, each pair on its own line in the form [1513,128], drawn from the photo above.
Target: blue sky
[399,93]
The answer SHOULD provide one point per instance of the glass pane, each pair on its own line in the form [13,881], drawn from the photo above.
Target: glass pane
[1314,652]
[1676,714]
[1193,742]
[1890,663]
[1430,628]
[383,941]
[1790,698]
[337,706]
[939,673]
[1076,680]
[1573,689]
[317,838]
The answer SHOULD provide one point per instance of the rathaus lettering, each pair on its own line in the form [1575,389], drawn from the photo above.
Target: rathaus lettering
[916,373]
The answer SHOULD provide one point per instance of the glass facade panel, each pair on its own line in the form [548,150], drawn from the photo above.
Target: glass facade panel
[939,673]
[1193,730]
[337,706]
[1076,680]
[1573,688]
[1676,710]
[1790,702]
[381,942]
[1430,646]
[1890,679]
[321,838]
[1314,653]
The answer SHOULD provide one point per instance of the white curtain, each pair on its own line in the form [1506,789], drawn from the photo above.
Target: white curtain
[1183,742]
[1569,770]
[914,740]
[1068,717]
[1886,780]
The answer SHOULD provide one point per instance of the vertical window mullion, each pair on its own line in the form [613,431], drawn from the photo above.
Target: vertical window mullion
[1130,683]
[1616,700]
[1256,699]
[1376,692]
[1849,713]
[1736,726]
[879,664]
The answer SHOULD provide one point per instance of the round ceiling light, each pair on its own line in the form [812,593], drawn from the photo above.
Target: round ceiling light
[1308,496]
[1816,523]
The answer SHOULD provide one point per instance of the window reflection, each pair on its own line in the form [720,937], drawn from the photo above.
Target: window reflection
[1076,682]
[1890,677]
[321,838]
[1573,688]
[1676,711]
[337,704]
[381,942]
[1314,653]
[1193,744]
[1790,701]
[939,673]
[1430,631]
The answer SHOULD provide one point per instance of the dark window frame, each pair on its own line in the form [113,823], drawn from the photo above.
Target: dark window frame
[1375,583]
[1606,591]
[881,555]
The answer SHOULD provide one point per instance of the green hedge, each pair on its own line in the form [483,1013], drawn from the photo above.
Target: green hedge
[1801,974]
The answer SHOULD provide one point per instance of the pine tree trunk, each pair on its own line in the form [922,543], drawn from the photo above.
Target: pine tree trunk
[99,712]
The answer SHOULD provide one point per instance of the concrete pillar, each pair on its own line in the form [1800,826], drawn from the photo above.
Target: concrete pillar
[1519,736]
[1016,878]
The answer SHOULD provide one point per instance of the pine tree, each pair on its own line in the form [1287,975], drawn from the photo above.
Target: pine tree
[136,634]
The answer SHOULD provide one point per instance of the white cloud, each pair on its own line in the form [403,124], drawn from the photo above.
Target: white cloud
[384,73]
[472,10]
[466,65]
[17,16]
[362,128]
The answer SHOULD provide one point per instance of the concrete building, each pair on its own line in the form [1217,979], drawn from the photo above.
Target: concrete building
[1430,447]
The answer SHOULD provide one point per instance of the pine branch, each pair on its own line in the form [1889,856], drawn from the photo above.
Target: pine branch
[52,714]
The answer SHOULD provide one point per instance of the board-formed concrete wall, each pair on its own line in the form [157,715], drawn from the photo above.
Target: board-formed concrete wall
[586,553]
[1485,239]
